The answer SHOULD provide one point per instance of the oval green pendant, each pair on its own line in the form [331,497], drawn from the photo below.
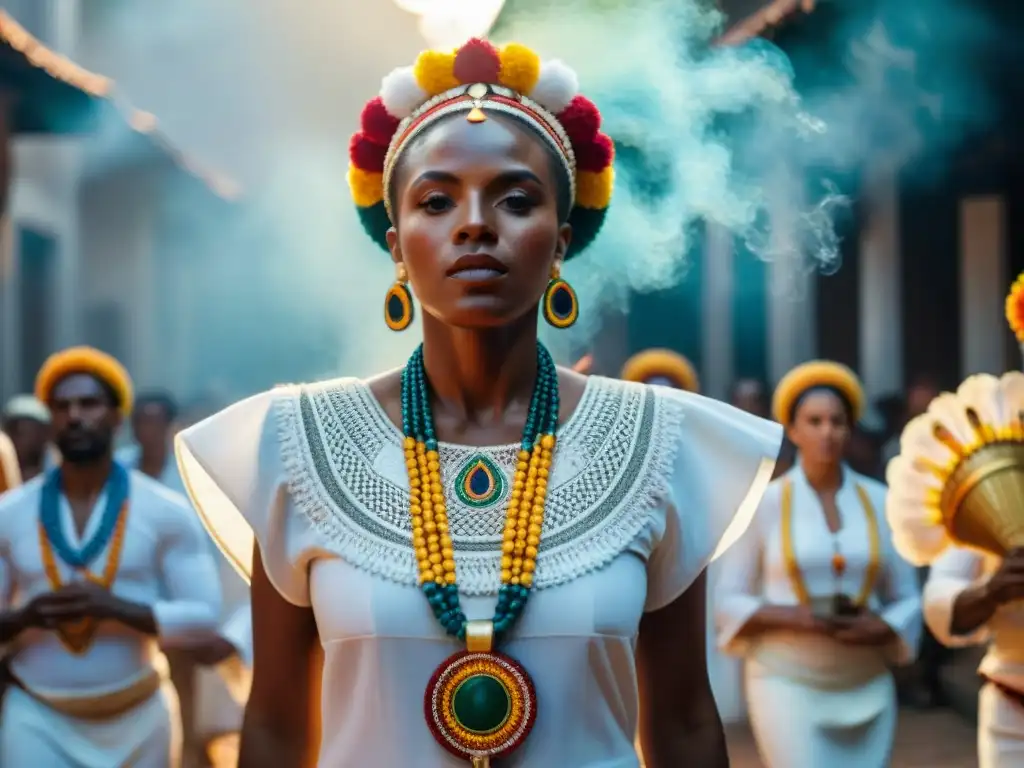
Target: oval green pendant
[481,704]
[480,482]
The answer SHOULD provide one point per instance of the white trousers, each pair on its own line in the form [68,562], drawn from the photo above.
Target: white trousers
[1000,730]
[33,735]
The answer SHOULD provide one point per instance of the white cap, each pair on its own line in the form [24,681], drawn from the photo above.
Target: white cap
[27,407]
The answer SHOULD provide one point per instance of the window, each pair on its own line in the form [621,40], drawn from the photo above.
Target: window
[37,267]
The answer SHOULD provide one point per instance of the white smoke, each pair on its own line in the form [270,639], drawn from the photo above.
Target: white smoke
[270,91]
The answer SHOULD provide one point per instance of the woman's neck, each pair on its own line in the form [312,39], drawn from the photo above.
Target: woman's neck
[825,477]
[478,373]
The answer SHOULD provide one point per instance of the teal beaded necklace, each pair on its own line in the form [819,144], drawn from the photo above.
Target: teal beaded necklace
[479,704]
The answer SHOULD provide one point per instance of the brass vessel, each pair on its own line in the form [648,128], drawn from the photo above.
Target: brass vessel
[983,499]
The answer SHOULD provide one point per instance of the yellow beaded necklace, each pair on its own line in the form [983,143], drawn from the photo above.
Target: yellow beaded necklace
[479,704]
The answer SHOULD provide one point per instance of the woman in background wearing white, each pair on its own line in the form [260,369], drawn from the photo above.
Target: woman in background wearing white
[814,597]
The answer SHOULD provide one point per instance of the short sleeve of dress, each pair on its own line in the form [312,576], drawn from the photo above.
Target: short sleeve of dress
[722,466]
[233,471]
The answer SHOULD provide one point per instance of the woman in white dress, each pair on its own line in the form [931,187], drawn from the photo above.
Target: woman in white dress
[814,597]
[387,520]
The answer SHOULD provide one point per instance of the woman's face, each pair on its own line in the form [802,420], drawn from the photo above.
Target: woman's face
[477,227]
[820,428]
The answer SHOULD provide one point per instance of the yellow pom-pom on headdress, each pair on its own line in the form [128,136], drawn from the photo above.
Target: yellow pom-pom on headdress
[1015,308]
[814,375]
[476,80]
[520,67]
[654,363]
[435,72]
[367,187]
[87,360]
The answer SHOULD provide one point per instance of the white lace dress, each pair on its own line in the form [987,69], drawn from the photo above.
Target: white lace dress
[646,481]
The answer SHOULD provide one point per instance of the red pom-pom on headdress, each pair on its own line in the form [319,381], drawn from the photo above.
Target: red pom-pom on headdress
[414,93]
[596,154]
[581,120]
[366,155]
[477,62]
[377,123]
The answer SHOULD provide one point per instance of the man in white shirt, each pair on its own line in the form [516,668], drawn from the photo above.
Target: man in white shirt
[99,567]
[971,598]
[210,671]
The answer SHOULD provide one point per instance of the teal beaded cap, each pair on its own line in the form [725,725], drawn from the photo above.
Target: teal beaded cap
[418,423]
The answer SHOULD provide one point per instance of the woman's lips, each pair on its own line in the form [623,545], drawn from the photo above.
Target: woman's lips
[477,268]
[478,274]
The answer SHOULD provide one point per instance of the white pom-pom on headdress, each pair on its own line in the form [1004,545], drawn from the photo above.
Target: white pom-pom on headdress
[400,92]
[556,86]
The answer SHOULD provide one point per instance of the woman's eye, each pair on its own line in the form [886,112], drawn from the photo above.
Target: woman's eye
[518,203]
[436,203]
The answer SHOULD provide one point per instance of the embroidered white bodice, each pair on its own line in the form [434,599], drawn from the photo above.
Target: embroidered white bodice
[347,473]
[645,483]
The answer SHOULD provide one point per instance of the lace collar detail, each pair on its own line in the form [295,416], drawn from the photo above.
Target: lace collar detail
[346,474]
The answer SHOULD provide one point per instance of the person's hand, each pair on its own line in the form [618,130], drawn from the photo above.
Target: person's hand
[584,364]
[206,649]
[212,651]
[1007,584]
[865,628]
[50,609]
[794,618]
[88,600]
[803,619]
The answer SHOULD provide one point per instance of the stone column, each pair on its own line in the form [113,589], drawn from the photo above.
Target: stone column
[792,337]
[881,322]
[983,285]
[716,312]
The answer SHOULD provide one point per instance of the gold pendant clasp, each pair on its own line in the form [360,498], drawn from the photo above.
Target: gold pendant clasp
[481,762]
[479,637]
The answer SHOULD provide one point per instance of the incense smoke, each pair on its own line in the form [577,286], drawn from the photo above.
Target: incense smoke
[271,93]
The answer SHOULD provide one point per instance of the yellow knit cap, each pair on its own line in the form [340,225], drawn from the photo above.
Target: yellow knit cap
[814,374]
[650,363]
[60,365]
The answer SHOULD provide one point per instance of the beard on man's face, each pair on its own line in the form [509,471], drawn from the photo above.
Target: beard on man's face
[78,445]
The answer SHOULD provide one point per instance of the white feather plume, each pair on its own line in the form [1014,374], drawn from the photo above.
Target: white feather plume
[918,475]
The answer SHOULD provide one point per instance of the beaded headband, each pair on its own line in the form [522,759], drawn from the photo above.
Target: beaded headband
[478,79]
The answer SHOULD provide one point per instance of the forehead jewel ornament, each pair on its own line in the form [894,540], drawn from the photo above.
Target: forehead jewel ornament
[480,80]
[477,92]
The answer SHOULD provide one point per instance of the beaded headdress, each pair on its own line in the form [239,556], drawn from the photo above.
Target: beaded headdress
[476,79]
